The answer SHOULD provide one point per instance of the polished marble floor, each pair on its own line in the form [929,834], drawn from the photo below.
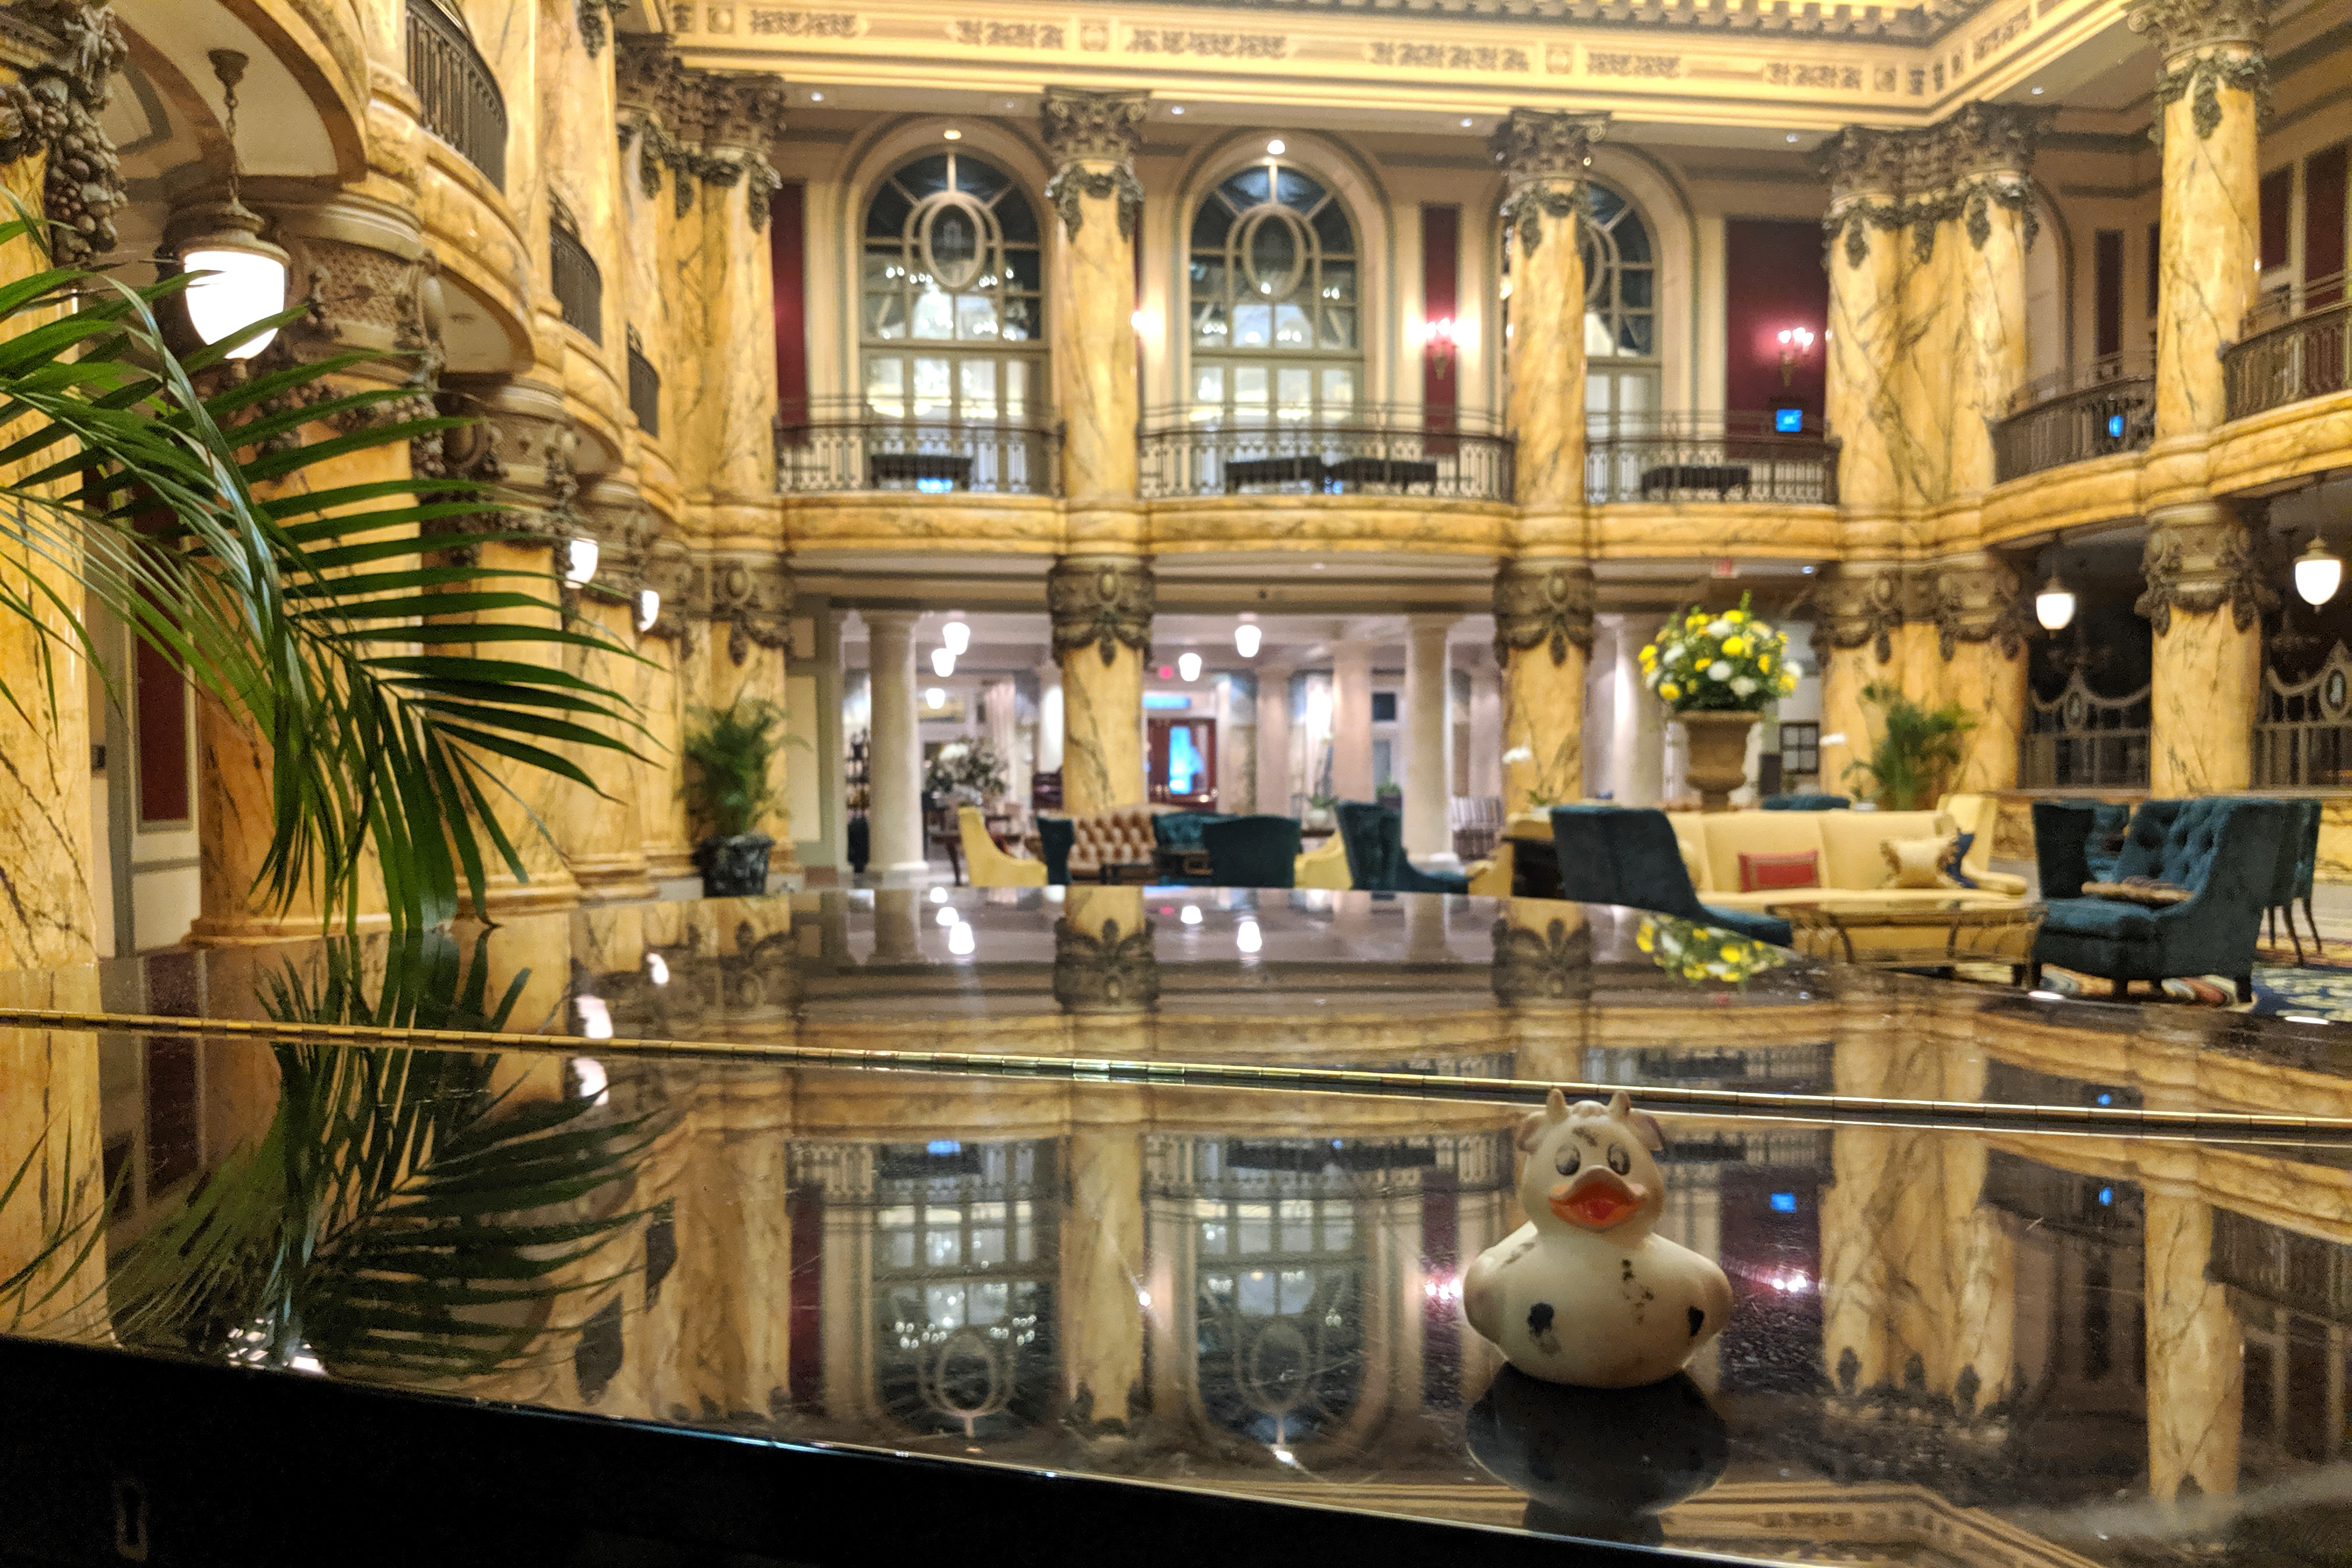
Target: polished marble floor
[2017,1279]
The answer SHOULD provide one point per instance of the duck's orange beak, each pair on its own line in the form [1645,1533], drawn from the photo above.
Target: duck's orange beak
[1597,1199]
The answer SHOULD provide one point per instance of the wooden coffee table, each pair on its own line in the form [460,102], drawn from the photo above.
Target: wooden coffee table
[1934,937]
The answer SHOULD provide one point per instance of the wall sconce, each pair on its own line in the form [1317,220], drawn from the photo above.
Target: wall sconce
[2318,573]
[942,664]
[648,609]
[248,277]
[1438,341]
[1188,666]
[1796,343]
[580,562]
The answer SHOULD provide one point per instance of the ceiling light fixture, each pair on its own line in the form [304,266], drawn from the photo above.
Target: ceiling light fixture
[952,134]
[2037,92]
[956,634]
[1276,147]
[1246,638]
[1188,666]
[1792,136]
[2054,606]
[935,700]
[1465,122]
[942,664]
[247,278]
[1175,108]
[2318,573]
[816,97]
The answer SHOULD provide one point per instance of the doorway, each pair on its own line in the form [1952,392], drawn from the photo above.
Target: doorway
[1183,761]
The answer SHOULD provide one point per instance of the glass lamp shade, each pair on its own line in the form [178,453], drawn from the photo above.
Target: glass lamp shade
[2317,574]
[1188,664]
[1246,638]
[649,608]
[2054,606]
[956,634]
[246,282]
[580,562]
[935,698]
[943,662]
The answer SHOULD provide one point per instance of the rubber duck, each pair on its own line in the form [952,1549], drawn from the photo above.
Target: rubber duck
[1584,1293]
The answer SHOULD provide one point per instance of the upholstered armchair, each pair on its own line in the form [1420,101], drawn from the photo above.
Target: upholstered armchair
[1374,840]
[1325,866]
[1252,851]
[988,866]
[1629,856]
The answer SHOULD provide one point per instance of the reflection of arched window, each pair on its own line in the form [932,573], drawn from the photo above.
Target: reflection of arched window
[1273,306]
[963,1270]
[953,319]
[1620,321]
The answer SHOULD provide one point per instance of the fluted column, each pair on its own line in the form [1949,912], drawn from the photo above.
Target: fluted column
[1543,639]
[1864,255]
[1990,149]
[894,760]
[1428,718]
[1101,608]
[1980,634]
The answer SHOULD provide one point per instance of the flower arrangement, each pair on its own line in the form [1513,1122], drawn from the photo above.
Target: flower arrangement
[1704,952]
[969,766]
[1731,663]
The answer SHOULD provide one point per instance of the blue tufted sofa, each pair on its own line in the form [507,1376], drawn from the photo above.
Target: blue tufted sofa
[2226,851]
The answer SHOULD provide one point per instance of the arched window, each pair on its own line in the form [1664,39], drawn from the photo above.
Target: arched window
[953,324]
[1620,318]
[1272,302]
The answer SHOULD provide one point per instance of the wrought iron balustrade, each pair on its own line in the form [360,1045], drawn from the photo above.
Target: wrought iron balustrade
[2298,344]
[2105,406]
[848,445]
[1707,457]
[2303,736]
[645,387]
[2080,740]
[577,280]
[457,94]
[1372,450]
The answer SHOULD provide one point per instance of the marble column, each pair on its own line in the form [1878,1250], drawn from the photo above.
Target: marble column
[1863,170]
[1093,138]
[894,754]
[1543,637]
[2210,96]
[1351,720]
[1103,1257]
[1864,636]
[1049,717]
[2203,600]
[2196,1372]
[1429,725]
[1980,624]
[603,835]
[679,626]
[1101,608]
[1991,151]
[1543,156]
[1274,783]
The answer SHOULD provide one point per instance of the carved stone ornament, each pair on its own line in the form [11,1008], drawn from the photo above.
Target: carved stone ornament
[1542,604]
[2205,76]
[519,439]
[1920,180]
[2198,567]
[702,127]
[616,517]
[1106,972]
[751,591]
[1859,161]
[1064,189]
[1101,604]
[1536,968]
[1978,601]
[596,18]
[55,107]
[2177,26]
[1524,212]
[1545,144]
[1096,127]
[669,571]
[1857,609]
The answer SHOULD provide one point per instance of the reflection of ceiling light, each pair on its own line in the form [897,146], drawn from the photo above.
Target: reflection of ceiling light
[658,969]
[595,1017]
[2037,92]
[935,698]
[1188,664]
[939,895]
[1246,638]
[590,1081]
[580,562]
[1192,915]
[816,97]
[956,634]
[1276,147]
[942,664]
[1247,938]
[1792,136]
[1465,122]
[2318,573]
[2054,606]
[947,915]
[958,136]
[961,942]
[649,608]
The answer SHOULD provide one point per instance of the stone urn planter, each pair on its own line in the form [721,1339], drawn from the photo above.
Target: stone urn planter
[1719,754]
[734,867]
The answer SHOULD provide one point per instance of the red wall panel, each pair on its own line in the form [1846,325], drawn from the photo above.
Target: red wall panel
[1441,300]
[1774,280]
[788,257]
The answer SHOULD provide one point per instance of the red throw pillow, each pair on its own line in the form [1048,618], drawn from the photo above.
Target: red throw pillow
[1773,873]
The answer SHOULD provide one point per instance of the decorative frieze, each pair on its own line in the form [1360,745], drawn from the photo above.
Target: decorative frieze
[1102,604]
[1447,57]
[1533,144]
[1093,127]
[2197,567]
[668,570]
[1542,604]
[1208,45]
[55,107]
[1858,607]
[614,514]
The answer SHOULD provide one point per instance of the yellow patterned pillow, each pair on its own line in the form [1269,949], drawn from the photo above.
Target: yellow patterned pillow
[1919,862]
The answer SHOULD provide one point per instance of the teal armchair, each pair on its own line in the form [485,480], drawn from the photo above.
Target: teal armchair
[1373,836]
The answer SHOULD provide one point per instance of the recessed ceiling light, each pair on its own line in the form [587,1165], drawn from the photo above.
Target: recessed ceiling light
[1792,136]
[1315,566]
[816,97]
[952,135]
[1175,108]
[2037,92]
[1465,122]
[1276,147]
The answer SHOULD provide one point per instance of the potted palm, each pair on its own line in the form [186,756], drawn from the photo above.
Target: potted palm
[729,752]
[1717,674]
[1915,749]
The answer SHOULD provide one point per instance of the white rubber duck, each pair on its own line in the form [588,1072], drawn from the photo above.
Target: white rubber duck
[1583,1293]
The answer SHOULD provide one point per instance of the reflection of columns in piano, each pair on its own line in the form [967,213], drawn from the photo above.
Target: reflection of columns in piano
[734,1248]
[845,1300]
[1858,1224]
[1102,1261]
[1694,1217]
[1424,930]
[51,1127]
[1980,1254]
[1275,784]
[2196,1374]
[896,917]
[1171,1323]
[1480,1220]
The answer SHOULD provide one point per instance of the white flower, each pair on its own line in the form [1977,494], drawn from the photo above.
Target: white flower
[1674,654]
[1793,667]
[1719,670]
[1519,755]
[1759,630]
[1745,687]
[1720,628]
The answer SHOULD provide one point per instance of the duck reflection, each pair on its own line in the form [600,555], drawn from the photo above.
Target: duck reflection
[1599,1463]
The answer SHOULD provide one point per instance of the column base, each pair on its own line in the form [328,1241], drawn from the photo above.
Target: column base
[255,931]
[502,895]
[612,878]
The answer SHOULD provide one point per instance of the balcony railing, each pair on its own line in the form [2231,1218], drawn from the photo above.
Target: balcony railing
[1370,451]
[2298,345]
[1707,457]
[645,387]
[2080,740]
[2304,738]
[578,281]
[462,104]
[2105,406]
[847,446]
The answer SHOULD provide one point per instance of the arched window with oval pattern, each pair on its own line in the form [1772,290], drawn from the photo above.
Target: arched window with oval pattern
[953,319]
[1275,320]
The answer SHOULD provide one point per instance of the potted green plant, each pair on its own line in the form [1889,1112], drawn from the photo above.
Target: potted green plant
[1319,810]
[1717,674]
[729,752]
[1913,749]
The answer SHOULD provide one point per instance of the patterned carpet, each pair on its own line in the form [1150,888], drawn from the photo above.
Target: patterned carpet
[2316,988]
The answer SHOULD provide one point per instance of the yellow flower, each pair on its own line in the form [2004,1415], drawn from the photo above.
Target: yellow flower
[1734,616]
[1670,691]
[1764,662]
[1735,647]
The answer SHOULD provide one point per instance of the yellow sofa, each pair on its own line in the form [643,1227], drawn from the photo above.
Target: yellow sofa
[1853,866]
[988,865]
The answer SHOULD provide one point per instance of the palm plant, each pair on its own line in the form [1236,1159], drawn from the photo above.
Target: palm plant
[729,754]
[1915,749]
[338,620]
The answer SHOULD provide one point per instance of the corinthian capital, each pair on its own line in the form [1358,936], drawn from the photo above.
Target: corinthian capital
[2178,27]
[1993,138]
[1101,127]
[1545,144]
[1859,161]
[745,111]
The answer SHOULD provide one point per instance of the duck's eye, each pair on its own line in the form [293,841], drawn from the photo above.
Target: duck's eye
[1569,1161]
[1620,1160]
